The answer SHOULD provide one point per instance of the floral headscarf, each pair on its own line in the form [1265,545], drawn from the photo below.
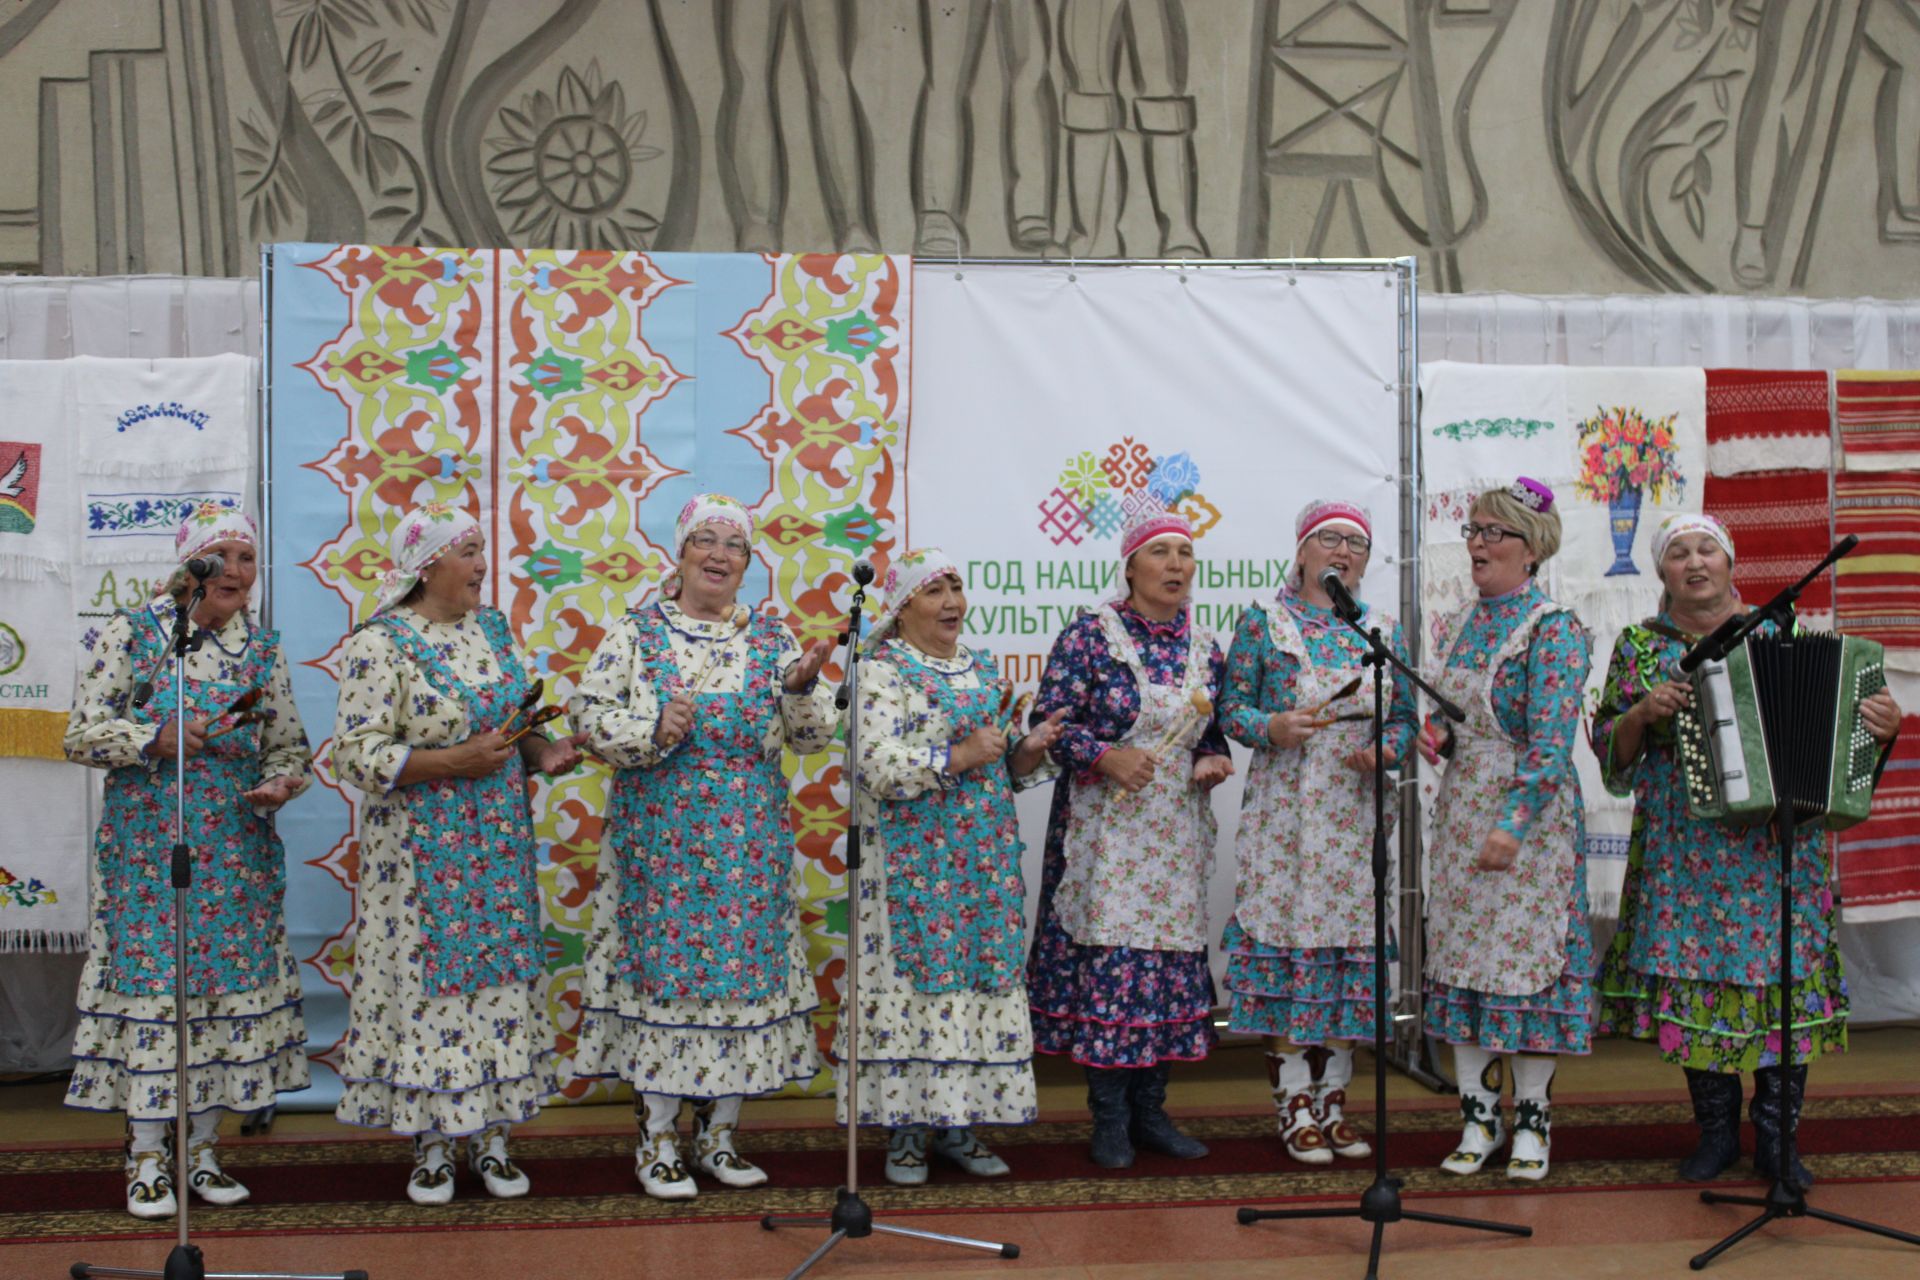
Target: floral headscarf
[1149,522]
[906,578]
[1690,522]
[207,524]
[701,510]
[1317,515]
[422,537]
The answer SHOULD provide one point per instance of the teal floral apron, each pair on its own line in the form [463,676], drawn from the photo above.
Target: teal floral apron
[705,840]
[239,867]
[471,839]
[956,902]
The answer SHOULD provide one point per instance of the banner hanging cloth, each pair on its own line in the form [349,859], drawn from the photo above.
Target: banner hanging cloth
[1768,420]
[1878,413]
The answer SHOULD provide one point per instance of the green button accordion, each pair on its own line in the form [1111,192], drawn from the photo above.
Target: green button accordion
[1779,718]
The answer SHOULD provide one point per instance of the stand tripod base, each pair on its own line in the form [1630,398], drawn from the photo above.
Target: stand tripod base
[853,1220]
[1784,1200]
[185,1263]
[1380,1205]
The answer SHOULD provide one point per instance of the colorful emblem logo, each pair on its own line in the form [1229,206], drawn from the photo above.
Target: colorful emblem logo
[13,650]
[1095,493]
[19,486]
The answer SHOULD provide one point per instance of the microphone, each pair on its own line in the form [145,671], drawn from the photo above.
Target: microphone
[1343,602]
[862,575]
[1714,642]
[207,566]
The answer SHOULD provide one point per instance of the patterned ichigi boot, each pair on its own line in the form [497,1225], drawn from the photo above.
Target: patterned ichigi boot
[1716,1109]
[150,1170]
[1333,1072]
[1773,1106]
[964,1149]
[487,1156]
[713,1150]
[431,1182]
[657,1160]
[907,1155]
[204,1174]
[1107,1089]
[1290,1074]
[1480,1074]
[1532,1114]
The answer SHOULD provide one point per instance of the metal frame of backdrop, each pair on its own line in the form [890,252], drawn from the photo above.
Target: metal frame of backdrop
[1411,1053]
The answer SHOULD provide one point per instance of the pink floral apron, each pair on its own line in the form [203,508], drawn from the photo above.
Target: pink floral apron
[1306,823]
[1502,932]
[1137,861]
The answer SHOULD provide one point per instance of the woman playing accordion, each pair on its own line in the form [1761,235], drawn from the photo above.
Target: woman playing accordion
[1694,964]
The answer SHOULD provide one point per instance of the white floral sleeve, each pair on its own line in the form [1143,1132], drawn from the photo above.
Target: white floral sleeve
[100,733]
[368,747]
[284,752]
[902,752]
[807,718]
[615,704]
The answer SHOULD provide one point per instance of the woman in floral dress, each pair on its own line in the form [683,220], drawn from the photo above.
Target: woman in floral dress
[697,984]
[447,1032]
[1118,977]
[1695,963]
[944,1041]
[1300,944]
[246,1041]
[1509,959]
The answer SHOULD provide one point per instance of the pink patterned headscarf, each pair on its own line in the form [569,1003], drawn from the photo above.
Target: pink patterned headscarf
[208,524]
[422,537]
[906,578]
[1317,515]
[1690,522]
[702,510]
[1149,523]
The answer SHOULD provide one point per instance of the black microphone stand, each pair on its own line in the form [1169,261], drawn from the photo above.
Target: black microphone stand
[1380,1203]
[852,1218]
[1785,1198]
[185,1261]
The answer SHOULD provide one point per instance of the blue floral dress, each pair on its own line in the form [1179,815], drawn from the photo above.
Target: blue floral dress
[944,1037]
[649,1017]
[1306,829]
[1534,691]
[246,1040]
[426,1049]
[1113,1006]
[1694,965]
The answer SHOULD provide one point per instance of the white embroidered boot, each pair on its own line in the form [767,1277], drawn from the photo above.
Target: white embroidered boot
[965,1149]
[204,1174]
[907,1155]
[657,1161]
[150,1170]
[1330,1101]
[487,1156]
[1480,1074]
[431,1182]
[1291,1077]
[1532,1114]
[713,1152]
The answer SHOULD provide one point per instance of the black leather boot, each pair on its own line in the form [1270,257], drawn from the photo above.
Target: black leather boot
[1776,1101]
[1152,1127]
[1716,1109]
[1107,1099]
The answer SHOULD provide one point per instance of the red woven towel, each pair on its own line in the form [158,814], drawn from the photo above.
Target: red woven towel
[1767,420]
[1879,417]
[1880,858]
[1879,593]
[1779,522]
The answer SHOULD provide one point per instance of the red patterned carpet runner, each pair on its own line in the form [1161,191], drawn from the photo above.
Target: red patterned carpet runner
[358,1187]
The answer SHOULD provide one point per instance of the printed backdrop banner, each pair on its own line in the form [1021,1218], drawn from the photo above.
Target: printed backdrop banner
[575,400]
[1049,402]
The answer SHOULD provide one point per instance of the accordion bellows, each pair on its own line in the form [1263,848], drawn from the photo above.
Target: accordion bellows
[1779,719]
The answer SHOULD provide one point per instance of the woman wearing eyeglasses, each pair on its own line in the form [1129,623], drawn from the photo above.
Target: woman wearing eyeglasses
[1509,967]
[697,986]
[1300,944]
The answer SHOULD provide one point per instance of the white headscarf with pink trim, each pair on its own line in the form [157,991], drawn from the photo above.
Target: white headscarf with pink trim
[906,578]
[422,537]
[208,524]
[1149,522]
[702,510]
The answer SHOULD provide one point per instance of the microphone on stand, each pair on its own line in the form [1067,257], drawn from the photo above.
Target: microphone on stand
[1343,602]
[207,566]
[862,575]
[1716,642]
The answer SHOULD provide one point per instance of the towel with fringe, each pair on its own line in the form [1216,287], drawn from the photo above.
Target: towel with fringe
[158,437]
[1768,420]
[37,485]
[43,860]
[1878,861]
[1622,448]
[1878,413]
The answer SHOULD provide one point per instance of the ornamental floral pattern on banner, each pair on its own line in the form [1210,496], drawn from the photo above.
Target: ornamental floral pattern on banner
[552,394]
